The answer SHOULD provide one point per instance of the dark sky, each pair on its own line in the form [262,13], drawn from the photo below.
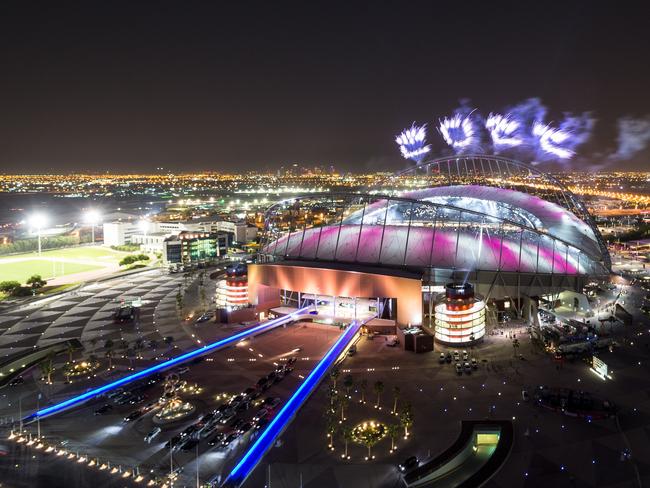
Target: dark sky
[113,85]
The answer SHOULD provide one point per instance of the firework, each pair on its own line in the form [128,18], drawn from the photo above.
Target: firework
[550,140]
[412,142]
[458,131]
[502,129]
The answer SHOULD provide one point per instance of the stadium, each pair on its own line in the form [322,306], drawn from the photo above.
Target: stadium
[510,231]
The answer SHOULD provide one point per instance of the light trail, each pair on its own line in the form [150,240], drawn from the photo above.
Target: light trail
[167,364]
[253,456]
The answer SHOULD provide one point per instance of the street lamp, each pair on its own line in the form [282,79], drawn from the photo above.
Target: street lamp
[38,221]
[92,217]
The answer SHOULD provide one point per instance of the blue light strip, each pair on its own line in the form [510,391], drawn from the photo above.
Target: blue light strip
[248,462]
[167,364]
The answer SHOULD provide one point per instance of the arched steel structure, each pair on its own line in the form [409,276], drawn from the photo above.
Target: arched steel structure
[493,170]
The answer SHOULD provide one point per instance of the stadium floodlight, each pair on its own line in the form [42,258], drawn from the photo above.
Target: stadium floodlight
[38,221]
[412,142]
[92,217]
[550,140]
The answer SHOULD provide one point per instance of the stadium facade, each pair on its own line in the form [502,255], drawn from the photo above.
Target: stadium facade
[508,229]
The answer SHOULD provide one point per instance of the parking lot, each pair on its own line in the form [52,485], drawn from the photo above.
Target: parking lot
[101,431]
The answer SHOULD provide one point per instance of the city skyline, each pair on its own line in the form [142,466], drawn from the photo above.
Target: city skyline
[125,87]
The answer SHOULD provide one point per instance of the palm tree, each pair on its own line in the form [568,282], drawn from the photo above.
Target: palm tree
[392,431]
[379,388]
[109,356]
[331,424]
[333,397]
[396,392]
[364,387]
[108,345]
[70,349]
[369,441]
[336,372]
[348,382]
[343,403]
[47,368]
[406,418]
[346,432]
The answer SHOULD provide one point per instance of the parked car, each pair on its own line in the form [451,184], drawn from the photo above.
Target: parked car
[272,402]
[237,424]
[136,414]
[249,392]
[135,399]
[261,423]
[245,427]
[353,350]
[465,356]
[189,444]
[408,464]
[19,380]
[152,435]
[459,369]
[456,356]
[261,413]
[474,363]
[467,367]
[227,417]
[243,406]
[115,393]
[216,439]
[229,438]
[442,358]
[173,441]
[448,357]
[104,409]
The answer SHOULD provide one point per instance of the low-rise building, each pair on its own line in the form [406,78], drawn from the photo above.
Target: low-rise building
[193,249]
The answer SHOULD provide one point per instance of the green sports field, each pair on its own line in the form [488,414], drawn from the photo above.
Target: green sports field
[58,262]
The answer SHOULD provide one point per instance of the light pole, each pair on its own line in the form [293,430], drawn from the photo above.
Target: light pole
[38,221]
[92,217]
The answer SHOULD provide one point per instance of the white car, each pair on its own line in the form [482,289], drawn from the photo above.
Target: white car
[152,435]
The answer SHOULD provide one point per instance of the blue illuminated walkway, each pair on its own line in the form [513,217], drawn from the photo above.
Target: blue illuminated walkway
[227,341]
[253,456]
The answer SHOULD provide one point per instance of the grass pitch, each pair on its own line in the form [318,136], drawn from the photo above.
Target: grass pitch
[58,262]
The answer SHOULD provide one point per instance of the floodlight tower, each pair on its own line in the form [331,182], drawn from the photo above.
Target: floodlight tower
[92,217]
[38,221]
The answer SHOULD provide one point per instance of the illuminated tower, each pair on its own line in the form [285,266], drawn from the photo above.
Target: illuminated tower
[460,317]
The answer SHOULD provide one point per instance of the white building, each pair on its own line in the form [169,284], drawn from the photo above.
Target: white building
[119,233]
[150,242]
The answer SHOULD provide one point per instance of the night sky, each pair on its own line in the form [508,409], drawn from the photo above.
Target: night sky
[229,86]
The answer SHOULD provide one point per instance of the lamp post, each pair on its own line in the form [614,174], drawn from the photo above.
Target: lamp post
[38,221]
